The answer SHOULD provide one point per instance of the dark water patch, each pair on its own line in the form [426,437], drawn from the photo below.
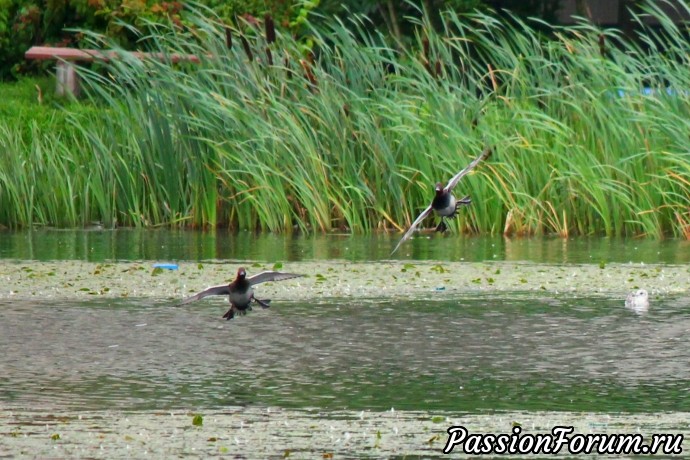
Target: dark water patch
[463,353]
[179,245]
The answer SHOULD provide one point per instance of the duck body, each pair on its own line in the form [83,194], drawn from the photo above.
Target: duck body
[240,295]
[637,300]
[445,205]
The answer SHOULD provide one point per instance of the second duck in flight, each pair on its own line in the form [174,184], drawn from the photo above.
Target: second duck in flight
[240,292]
[444,203]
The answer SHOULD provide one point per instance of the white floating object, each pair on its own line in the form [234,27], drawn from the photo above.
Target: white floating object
[637,300]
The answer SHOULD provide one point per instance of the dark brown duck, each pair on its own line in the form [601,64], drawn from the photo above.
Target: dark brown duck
[240,292]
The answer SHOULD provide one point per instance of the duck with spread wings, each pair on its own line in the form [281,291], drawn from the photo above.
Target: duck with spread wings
[444,203]
[240,292]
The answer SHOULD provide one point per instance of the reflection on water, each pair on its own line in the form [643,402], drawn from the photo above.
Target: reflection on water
[193,245]
[461,354]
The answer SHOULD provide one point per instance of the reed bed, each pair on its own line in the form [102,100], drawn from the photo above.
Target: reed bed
[351,133]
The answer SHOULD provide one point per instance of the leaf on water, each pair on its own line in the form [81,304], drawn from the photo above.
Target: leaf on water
[286,454]
[200,266]
[212,439]
[523,280]
[277,266]
[433,438]
[490,280]
[408,266]
[377,444]
[223,450]
[198,420]
[437,419]
[156,271]
[328,455]
[133,268]
[439,269]
[477,280]
[514,424]
[497,272]
[55,437]
[320,278]
[84,289]
[602,264]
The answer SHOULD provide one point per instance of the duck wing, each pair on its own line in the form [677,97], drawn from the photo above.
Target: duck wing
[264,277]
[413,227]
[215,290]
[456,178]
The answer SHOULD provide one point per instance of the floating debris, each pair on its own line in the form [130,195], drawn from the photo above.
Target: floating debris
[166,266]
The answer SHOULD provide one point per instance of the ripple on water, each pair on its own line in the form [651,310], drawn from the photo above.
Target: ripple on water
[468,353]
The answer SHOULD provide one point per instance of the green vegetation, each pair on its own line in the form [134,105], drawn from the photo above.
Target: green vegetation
[24,23]
[356,137]
[34,22]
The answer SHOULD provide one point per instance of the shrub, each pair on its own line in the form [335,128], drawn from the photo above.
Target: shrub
[24,23]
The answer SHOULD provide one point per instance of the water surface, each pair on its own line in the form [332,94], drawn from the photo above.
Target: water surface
[128,244]
[363,357]
[477,353]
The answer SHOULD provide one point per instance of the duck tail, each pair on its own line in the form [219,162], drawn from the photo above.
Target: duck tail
[463,202]
[230,314]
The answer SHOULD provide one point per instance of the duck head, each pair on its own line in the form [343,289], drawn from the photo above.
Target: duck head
[641,294]
[439,189]
[241,273]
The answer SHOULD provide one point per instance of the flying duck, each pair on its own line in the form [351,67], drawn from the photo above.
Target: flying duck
[240,292]
[444,203]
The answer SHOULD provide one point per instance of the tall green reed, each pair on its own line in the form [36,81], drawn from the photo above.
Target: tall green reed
[353,134]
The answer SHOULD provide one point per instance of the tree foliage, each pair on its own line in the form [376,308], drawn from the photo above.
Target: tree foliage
[24,23]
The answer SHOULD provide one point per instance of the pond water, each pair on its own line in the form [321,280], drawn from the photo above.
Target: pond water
[192,245]
[482,351]
[477,353]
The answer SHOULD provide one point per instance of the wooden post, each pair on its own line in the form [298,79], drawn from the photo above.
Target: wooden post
[67,80]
